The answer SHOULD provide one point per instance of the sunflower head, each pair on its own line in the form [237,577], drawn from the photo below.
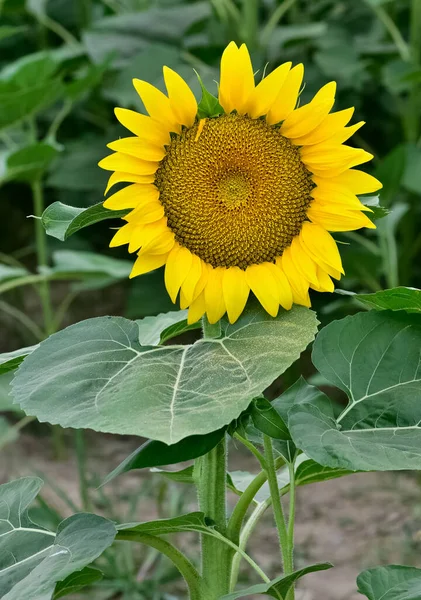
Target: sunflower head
[244,199]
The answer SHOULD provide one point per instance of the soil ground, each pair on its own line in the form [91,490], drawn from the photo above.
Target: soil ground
[355,522]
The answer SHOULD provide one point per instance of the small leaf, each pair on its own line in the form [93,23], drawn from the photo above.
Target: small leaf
[151,328]
[182,476]
[209,105]
[278,588]
[8,272]
[9,361]
[77,263]
[76,581]
[393,582]
[267,420]
[61,220]
[373,202]
[155,454]
[399,298]
[177,329]
[97,375]
[35,559]
[195,521]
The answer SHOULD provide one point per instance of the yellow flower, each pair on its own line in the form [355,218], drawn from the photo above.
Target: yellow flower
[242,201]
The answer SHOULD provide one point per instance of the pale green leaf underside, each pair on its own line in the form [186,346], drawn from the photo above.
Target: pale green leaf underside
[96,375]
[32,558]
[375,358]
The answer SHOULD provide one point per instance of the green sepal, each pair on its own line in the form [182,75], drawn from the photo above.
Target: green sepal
[209,105]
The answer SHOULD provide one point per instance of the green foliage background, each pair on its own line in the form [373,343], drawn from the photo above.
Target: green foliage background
[65,65]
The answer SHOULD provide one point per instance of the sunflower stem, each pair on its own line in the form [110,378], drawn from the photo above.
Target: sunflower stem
[210,476]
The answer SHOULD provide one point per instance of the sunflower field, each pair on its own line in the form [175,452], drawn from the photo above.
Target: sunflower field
[210,304]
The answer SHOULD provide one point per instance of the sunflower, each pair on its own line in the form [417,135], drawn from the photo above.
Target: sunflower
[243,200]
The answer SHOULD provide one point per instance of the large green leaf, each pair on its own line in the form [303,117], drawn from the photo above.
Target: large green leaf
[61,221]
[34,559]
[27,163]
[375,358]
[399,298]
[393,582]
[157,454]
[96,375]
[279,587]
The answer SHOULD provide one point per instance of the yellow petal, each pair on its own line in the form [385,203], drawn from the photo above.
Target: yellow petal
[332,221]
[132,196]
[287,97]
[122,236]
[197,309]
[330,126]
[162,243]
[356,181]
[236,80]
[143,234]
[119,177]
[325,282]
[284,288]
[203,279]
[266,92]
[182,100]
[214,298]
[303,261]
[157,104]
[146,263]
[146,213]
[128,164]
[178,265]
[236,291]
[298,282]
[134,146]
[264,286]
[308,117]
[347,132]
[332,159]
[321,246]
[337,201]
[189,284]
[143,126]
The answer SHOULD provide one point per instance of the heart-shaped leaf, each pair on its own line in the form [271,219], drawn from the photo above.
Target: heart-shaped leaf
[96,375]
[35,559]
[393,582]
[375,358]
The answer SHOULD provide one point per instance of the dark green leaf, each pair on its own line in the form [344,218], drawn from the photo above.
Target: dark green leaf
[61,221]
[400,298]
[394,582]
[373,202]
[375,358]
[177,329]
[36,559]
[7,31]
[412,175]
[267,420]
[301,393]
[76,581]
[151,328]
[209,105]
[390,172]
[11,360]
[195,521]
[278,588]
[156,454]
[28,163]
[119,386]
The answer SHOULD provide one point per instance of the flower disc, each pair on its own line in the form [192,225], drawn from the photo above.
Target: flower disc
[236,192]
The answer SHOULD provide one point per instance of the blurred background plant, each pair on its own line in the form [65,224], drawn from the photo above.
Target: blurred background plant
[65,64]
